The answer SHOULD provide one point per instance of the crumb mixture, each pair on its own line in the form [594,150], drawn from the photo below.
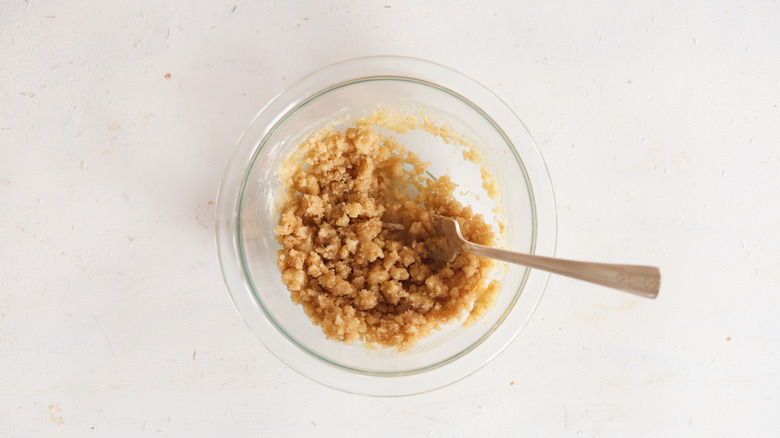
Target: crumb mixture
[358,279]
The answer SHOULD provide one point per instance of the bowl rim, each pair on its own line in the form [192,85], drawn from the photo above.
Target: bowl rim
[229,247]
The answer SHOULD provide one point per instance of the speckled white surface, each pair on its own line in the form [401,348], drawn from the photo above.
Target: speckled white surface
[660,125]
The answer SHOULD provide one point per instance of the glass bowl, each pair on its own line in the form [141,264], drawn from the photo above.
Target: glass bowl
[247,212]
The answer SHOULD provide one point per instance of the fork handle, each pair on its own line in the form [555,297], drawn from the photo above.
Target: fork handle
[644,281]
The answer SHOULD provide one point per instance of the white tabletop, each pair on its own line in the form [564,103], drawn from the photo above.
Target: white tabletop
[660,125]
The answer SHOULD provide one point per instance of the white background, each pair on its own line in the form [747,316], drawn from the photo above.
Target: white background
[660,125]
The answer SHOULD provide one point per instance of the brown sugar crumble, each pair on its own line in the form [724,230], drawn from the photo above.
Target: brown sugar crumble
[358,279]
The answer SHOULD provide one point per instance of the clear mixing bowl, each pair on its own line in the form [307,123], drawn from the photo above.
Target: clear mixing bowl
[247,212]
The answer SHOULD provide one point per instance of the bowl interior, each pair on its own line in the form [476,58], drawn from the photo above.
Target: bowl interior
[260,194]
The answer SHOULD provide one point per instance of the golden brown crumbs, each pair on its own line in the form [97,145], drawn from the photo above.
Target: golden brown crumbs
[362,281]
